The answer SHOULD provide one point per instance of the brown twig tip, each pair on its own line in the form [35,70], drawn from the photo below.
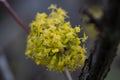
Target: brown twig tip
[14,15]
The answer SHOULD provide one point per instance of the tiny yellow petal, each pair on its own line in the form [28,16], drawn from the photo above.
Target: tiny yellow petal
[55,50]
[84,38]
[77,29]
[52,6]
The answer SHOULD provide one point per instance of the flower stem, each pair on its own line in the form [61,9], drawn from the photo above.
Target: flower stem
[67,74]
[14,15]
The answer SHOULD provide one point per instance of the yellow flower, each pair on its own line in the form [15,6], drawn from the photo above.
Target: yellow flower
[60,11]
[77,29]
[55,50]
[54,43]
[53,7]
[84,38]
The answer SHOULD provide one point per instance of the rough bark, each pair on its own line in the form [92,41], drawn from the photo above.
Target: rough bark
[98,64]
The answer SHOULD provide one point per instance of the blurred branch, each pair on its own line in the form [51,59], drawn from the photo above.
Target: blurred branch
[97,22]
[67,74]
[4,68]
[14,15]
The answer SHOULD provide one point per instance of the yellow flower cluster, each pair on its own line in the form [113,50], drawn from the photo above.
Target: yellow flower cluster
[53,42]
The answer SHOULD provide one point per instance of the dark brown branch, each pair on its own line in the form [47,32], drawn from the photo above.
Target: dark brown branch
[99,62]
[99,66]
[14,15]
[87,66]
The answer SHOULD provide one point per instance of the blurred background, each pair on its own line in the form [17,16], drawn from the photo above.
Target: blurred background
[14,65]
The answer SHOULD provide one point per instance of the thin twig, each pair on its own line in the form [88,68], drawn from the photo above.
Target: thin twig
[14,15]
[67,74]
[4,67]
